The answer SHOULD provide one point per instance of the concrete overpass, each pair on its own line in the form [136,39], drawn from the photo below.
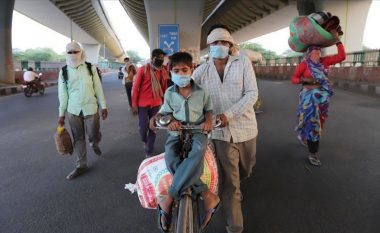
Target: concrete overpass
[86,21]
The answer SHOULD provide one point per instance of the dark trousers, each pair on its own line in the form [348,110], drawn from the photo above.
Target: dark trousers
[313,146]
[147,136]
[128,89]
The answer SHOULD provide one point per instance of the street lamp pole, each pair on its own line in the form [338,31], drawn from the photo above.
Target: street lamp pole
[104,47]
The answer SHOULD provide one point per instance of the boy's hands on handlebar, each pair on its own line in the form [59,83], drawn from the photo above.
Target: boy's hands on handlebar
[174,125]
[207,125]
[152,122]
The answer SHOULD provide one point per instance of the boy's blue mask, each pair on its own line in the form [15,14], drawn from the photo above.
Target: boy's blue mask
[219,51]
[180,80]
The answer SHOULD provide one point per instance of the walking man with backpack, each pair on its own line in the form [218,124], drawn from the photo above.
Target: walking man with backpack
[80,93]
[147,94]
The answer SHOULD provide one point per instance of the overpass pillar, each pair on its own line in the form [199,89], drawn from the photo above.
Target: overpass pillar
[6,59]
[187,14]
[92,52]
[352,15]
[353,18]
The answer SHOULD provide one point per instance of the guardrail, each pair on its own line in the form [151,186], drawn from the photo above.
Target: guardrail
[368,58]
[57,65]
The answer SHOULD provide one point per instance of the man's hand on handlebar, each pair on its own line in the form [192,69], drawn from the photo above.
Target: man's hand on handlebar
[223,119]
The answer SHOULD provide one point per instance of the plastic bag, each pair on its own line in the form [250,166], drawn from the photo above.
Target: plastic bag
[154,179]
[63,142]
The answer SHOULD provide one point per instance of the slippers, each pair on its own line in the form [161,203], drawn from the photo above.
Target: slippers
[314,161]
[167,217]
[211,211]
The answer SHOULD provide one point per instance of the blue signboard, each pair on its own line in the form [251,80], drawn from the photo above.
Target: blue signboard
[168,38]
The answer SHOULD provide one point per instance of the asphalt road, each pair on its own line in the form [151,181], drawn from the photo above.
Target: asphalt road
[284,195]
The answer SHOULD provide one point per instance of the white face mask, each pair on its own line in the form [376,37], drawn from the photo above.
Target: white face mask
[74,60]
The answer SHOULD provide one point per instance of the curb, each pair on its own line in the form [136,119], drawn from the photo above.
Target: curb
[363,88]
[17,89]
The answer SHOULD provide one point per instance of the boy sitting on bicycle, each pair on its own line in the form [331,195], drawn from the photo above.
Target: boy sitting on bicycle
[186,103]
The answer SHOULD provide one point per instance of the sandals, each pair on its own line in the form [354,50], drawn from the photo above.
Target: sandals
[314,160]
[167,218]
[211,211]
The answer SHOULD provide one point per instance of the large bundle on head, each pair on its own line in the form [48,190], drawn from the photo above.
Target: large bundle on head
[254,56]
[313,29]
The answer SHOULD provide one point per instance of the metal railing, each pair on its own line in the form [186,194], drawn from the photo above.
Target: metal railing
[56,65]
[360,58]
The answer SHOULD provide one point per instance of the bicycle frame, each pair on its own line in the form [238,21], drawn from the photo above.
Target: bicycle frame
[185,212]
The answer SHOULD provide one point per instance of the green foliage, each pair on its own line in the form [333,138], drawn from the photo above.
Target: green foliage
[39,54]
[291,53]
[134,56]
[267,54]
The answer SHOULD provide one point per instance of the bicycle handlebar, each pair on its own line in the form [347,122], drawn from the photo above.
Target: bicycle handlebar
[164,121]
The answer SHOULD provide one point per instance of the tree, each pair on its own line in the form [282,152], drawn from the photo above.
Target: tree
[134,56]
[267,54]
[291,53]
[39,54]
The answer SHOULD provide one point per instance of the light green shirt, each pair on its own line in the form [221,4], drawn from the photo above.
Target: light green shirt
[187,110]
[81,92]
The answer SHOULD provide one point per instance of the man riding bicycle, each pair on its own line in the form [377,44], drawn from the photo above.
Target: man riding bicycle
[186,103]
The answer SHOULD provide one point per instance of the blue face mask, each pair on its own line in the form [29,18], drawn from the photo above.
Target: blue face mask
[180,80]
[219,51]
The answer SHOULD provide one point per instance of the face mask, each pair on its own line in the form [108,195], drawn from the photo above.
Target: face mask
[74,60]
[158,62]
[219,51]
[180,80]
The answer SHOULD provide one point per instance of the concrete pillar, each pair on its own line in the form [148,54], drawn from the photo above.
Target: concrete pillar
[6,59]
[92,52]
[353,18]
[188,14]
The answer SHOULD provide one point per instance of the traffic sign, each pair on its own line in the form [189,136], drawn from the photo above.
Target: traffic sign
[168,38]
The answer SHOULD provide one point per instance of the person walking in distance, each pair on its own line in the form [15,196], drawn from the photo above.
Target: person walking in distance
[147,94]
[80,93]
[231,82]
[129,72]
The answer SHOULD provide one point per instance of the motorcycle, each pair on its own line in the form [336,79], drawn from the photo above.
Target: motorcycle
[35,86]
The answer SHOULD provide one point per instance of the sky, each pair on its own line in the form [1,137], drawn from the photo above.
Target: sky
[132,40]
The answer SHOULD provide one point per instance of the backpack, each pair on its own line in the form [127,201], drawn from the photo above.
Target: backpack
[64,71]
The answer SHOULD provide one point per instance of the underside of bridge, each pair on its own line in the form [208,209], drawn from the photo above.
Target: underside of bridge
[236,14]
[90,16]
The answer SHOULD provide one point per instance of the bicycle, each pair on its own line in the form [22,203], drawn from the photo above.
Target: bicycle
[186,217]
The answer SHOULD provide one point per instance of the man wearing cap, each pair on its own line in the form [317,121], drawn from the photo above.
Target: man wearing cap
[231,83]
[80,93]
[147,93]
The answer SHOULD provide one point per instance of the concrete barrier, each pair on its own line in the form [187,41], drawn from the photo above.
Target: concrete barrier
[365,80]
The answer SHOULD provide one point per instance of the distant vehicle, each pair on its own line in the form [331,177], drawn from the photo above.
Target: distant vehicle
[120,75]
[35,86]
